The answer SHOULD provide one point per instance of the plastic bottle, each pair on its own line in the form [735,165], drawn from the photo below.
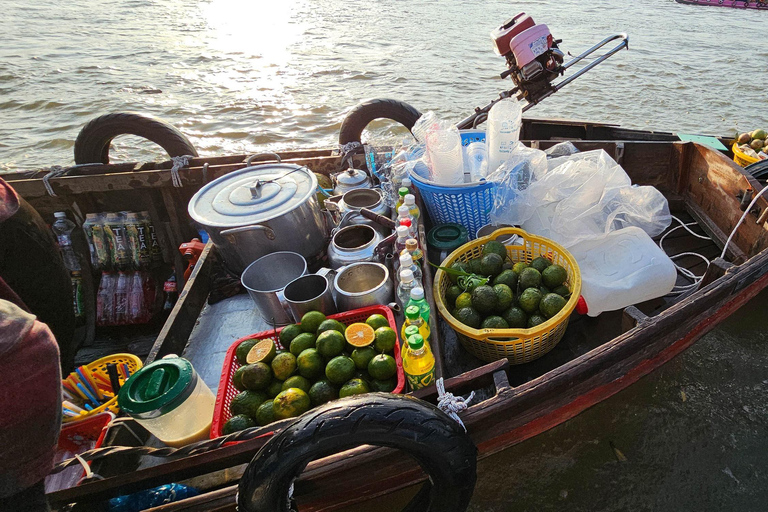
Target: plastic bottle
[121,299]
[63,228]
[402,236]
[407,332]
[504,122]
[413,319]
[413,209]
[406,284]
[407,183]
[120,250]
[406,261]
[407,223]
[171,293]
[401,193]
[622,268]
[105,299]
[138,238]
[412,247]
[155,250]
[136,313]
[97,242]
[418,363]
[150,295]
[418,300]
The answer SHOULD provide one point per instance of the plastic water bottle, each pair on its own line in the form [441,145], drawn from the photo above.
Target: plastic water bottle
[401,193]
[406,261]
[504,122]
[63,228]
[121,299]
[418,362]
[136,313]
[97,241]
[418,300]
[407,283]
[402,236]
[105,299]
[407,183]
[622,268]
[412,248]
[413,320]
[413,210]
[404,219]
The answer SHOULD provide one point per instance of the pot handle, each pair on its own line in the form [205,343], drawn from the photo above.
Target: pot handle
[229,233]
[250,159]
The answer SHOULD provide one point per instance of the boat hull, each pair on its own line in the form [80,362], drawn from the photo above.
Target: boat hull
[735,4]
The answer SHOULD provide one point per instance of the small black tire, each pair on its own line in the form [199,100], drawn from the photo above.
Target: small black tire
[92,144]
[361,115]
[437,442]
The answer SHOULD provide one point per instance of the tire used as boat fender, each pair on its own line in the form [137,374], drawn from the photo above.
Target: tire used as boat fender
[361,115]
[92,144]
[437,442]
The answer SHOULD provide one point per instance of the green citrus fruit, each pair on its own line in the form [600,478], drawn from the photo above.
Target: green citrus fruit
[288,333]
[331,324]
[551,304]
[469,317]
[495,247]
[507,277]
[494,322]
[362,356]
[377,320]
[340,369]
[290,403]
[302,342]
[382,367]
[354,387]
[529,300]
[490,264]
[452,293]
[237,423]
[274,388]
[311,321]
[535,320]
[283,365]
[247,402]
[241,353]
[297,381]
[256,376]
[237,379]
[458,266]
[385,339]
[464,300]
[553,276]
[504,297]
[321,392]
[262,352]
[540,263]
[515,318]
[385,386]
[265,414]
[519,267]
[330,344]
[310,364]
[484,299]
[529,278]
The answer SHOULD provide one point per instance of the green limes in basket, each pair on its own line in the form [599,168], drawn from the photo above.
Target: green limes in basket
[247,402]
[551,304]
[331,324]
[274,388]
[265,414]
[256,376]
[507,277]
[519,267]
[494,322]
[354,387]
[237,423]
[540,263]
[382,367]
[376,320]
[385,339]
[515,318]
[535,320]
[310,364]
[529,300]
[288,333]
[330,344]
[452,293]
[297,381]
[469,317]
[302,342]
[491,264]
[340,369]
[484,299]
[290,403]
[529,278]
[283,365]
[321,392]
[362,356]
[562,291]
[504,297]
[464,300]
[495,247]
[241,352]
[311,321]
[553,276]
[384,386]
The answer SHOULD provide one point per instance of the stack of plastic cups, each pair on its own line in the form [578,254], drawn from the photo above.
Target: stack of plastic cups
[504,122]
[446,156]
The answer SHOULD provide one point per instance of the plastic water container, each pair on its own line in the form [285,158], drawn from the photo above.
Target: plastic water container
[504,122]
[624,267]
[446,155]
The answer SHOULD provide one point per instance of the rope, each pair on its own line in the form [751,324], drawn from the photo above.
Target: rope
[744,216]
[452,405]
[678,289]
[178,163]
[190,449]
[53,172]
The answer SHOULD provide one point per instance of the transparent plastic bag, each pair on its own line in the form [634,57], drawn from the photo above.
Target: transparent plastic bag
[513,178]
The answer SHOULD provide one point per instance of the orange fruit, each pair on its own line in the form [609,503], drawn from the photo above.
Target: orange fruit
[360,335]
[262,352]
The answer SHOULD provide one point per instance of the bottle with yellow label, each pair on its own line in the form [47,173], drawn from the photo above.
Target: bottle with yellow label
[413,317]
[418,363]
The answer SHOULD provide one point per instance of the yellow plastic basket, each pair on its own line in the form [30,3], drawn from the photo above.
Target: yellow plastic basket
[741,157]
[517,345]
[100,366]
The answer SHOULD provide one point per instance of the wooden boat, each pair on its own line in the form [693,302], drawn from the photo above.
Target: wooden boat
[597,357]
[736,4]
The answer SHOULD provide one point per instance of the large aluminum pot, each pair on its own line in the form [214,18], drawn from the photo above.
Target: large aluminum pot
[363,284]
[262,209]
[352,244]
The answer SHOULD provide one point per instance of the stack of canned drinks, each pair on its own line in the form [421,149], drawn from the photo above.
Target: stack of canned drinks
[124,247]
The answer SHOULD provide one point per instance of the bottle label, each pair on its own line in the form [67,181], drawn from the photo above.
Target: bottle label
[145,254]
[422,380]
[77,296]
[64,240]
[169,286]
[122,253]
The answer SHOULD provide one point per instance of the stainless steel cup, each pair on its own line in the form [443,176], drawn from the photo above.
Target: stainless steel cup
[309,293]
[362,284]
[265,279]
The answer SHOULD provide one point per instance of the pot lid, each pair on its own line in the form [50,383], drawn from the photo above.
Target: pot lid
[252,195]
[351,177]
[447,236]
[157,388]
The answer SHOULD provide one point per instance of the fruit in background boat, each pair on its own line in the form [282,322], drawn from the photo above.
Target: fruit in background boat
[377,320]
[469,317]
[302,342]
[354,387]
[262,352]
[484,299]
[330,344]
[290,403]
[241,352]
[283,365]
[256,377]
[504,297]
[362,356]
[495,247]
[298,382]
[330,324]
[553,276]
[540,263]
[529,300]
[757,144]
[490,264]
[360,335]
[382,367]
[551,304]
[310,364]
[385,339]
[237,423]
[507,277]
[758,134]
[311,321]
[265,414]
[321,392]
[494,322]
[744,138]
[340,369]
[288,333]
[247,402]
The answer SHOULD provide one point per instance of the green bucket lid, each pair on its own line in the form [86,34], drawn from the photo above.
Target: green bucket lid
[158,388]
[447,236]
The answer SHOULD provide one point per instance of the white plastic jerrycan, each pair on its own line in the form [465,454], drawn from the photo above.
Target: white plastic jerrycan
[622,268]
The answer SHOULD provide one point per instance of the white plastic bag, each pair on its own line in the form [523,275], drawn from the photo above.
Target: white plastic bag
[512,180]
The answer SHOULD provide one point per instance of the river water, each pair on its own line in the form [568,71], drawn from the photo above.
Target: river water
[241,76]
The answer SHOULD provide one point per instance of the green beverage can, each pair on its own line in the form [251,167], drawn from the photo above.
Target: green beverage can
[156,252]
[119,248]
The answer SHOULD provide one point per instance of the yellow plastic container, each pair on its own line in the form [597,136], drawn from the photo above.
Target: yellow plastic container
[517,345]
[99,366]
[741,157]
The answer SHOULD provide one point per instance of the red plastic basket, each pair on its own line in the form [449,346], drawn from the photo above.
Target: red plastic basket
[227,390]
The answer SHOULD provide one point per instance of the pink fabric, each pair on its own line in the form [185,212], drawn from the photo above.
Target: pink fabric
[9,200]
[30,399]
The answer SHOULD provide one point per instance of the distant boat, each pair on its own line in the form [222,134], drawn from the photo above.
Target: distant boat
[736,4]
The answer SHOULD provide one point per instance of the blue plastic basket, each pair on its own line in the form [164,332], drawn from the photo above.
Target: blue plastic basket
[468,204]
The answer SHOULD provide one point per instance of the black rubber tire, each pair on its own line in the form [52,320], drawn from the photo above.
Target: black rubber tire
[437,442]
[92,144]
[358,118]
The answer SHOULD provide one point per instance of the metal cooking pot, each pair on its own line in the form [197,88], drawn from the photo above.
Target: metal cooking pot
[352,244]
[262,209]
[362,284]
[350,179]
[348,206]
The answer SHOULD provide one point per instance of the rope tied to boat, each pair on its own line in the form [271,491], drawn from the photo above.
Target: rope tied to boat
[53,172]
[450,404]
[178,163]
